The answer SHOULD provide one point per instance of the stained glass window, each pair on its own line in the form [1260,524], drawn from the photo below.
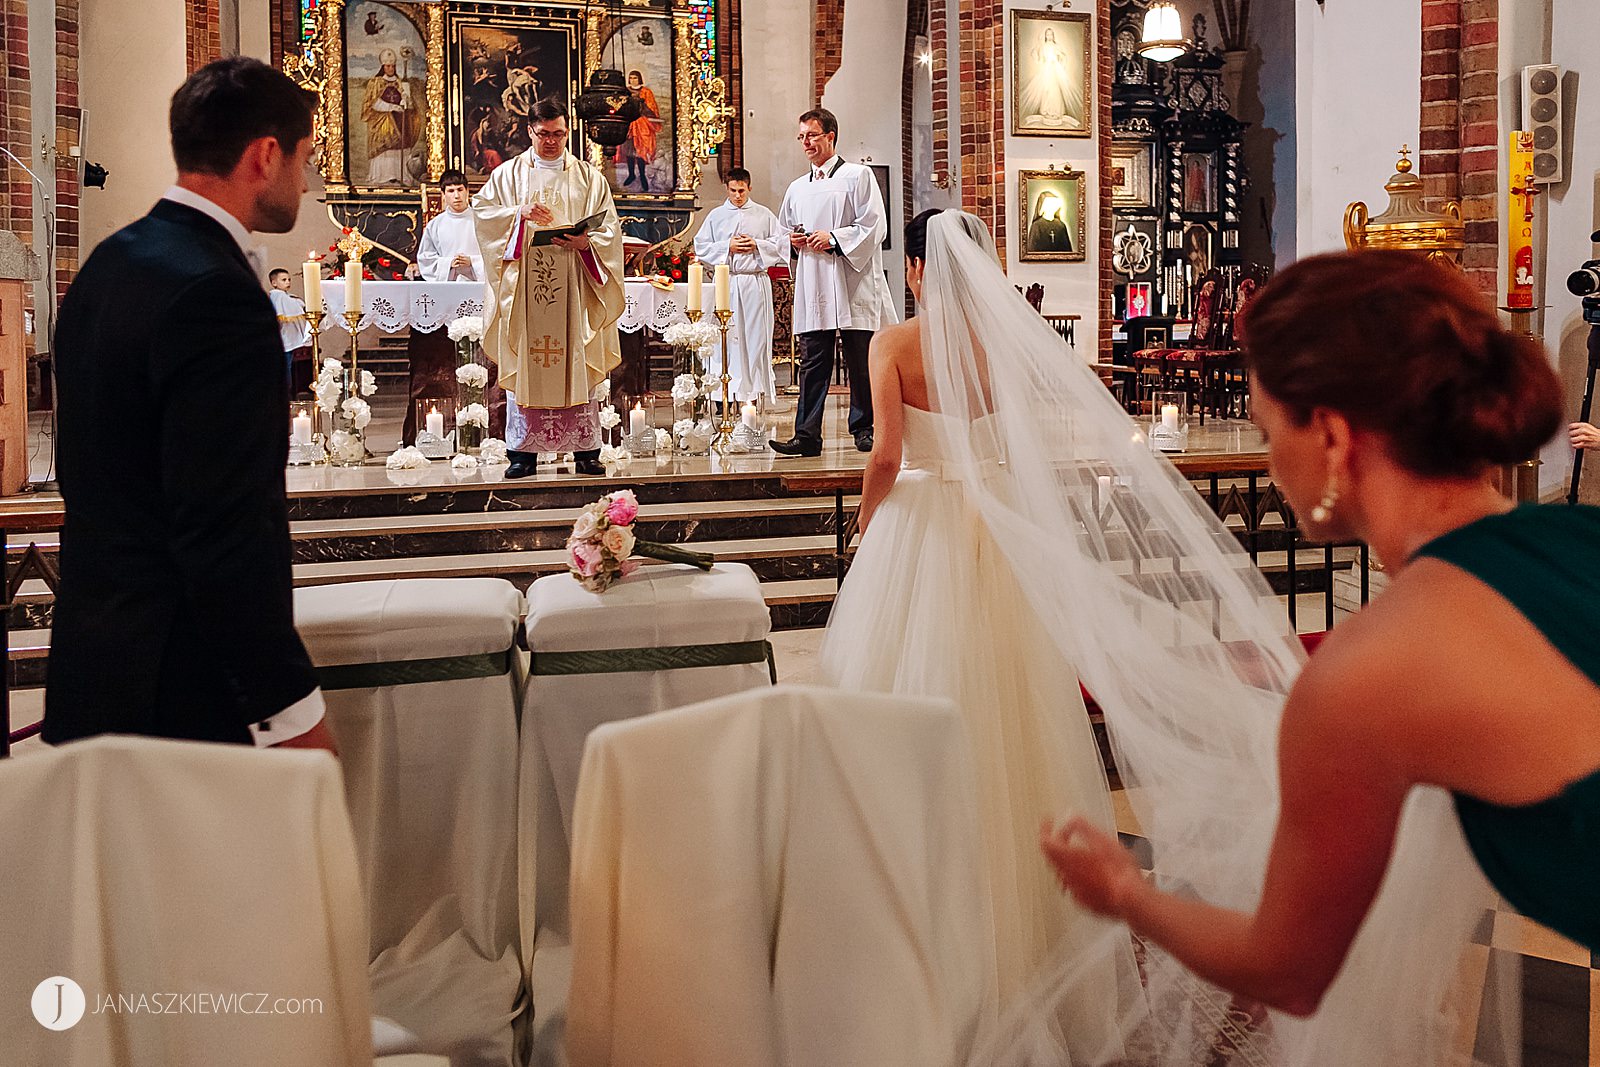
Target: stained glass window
[704,34]
[308,19]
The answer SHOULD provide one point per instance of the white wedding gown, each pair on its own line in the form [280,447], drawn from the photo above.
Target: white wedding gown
[932,608]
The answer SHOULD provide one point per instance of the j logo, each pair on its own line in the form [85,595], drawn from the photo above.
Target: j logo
[58,1003]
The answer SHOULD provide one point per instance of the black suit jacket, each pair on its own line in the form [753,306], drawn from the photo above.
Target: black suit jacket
[175,614]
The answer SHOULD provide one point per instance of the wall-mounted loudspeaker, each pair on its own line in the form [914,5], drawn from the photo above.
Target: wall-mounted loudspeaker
[1541,116]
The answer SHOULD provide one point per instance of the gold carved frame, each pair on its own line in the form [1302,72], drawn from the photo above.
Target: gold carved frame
[1079,235]
[699,96]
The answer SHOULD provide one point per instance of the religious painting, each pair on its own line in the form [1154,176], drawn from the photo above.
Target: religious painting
[880,171]
[1197,252]
[1199,181]
[386,99]
[1131,176]
[1050,75]
[1052,205]
[1139,304]
[499,70]
[642,49]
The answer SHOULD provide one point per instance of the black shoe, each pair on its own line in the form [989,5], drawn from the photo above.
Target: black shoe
[796,446]
[523,464]
[864,441]
[588,462]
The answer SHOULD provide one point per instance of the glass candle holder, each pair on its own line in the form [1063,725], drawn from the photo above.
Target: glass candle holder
[436,417]
[305,443]
[1169,421]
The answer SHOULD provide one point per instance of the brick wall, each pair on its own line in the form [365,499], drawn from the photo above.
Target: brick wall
[203,24]
[939,46]
[730,64]
[1103,76]
[828,48]
[69,125]
[1460,147]
[16,121]
[981,106]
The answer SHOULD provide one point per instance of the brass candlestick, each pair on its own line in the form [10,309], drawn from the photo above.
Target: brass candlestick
[695,315]
[319,442]
[726,423]
[352,319]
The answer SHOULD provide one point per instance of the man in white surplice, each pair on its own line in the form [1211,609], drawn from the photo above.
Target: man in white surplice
[835,222]
[746,236]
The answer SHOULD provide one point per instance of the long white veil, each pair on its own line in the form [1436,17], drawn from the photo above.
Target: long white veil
[1181,641]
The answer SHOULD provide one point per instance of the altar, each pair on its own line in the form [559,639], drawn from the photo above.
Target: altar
[428,306]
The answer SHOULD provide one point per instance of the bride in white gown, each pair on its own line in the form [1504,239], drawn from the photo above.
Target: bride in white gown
[1018,533]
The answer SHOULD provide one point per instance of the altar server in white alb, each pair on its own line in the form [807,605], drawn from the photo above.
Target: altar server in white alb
[745,236]
[835,222]
[449,249]
[293,327]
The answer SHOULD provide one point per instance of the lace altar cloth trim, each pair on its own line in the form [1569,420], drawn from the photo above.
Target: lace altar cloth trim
[395,306]
[652,308]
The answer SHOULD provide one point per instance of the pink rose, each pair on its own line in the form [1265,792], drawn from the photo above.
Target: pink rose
[585,558]
[623,509]
[629,566]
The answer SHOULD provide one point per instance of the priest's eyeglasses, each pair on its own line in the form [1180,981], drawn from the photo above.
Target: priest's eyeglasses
[550,135]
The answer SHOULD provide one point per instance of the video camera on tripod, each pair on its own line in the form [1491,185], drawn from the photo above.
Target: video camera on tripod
[1585,282]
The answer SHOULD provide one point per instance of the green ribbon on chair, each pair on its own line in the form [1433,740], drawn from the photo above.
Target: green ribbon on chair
[663,658]
[416,671]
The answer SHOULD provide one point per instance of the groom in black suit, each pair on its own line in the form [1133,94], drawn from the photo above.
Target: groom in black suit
[175,616]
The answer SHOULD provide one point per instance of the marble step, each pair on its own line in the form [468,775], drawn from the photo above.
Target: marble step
[389,536]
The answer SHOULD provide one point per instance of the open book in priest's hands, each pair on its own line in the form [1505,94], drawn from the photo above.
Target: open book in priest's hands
[535,237]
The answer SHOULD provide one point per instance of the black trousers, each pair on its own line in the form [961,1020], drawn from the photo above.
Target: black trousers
[816,371]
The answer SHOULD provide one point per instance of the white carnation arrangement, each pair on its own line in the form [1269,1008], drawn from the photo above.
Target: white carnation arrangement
[609,419]
[472,375]
[696,335]
[492,453]
[464,463]
[408,458]
[473,415]
[614,456]
[466,328]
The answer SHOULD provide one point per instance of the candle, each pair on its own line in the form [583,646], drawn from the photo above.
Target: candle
[723,302]
[352,285]
[435,422]
[696,277]
[1104,481]
[1169,416]
[302,428]
[752,418]
[311,271]
[636,421]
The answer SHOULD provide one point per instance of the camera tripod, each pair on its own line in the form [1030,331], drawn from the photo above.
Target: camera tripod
[1584,410]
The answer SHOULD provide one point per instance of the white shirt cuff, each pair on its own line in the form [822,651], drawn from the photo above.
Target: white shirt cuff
[291,722]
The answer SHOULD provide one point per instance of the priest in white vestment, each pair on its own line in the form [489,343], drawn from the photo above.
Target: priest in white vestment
[745,236]
[835,222]
[550,320]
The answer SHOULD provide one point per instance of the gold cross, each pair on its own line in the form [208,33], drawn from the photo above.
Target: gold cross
[548,352]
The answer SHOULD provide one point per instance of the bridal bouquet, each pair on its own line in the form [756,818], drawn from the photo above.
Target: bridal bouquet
[602,540]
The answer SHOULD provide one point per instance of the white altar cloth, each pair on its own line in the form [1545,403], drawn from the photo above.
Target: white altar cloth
[431,783]
[779,877]
[395,306]
[134,865]
[646,307]
[657,606]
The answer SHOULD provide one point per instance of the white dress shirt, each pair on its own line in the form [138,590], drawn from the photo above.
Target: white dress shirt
[305,713]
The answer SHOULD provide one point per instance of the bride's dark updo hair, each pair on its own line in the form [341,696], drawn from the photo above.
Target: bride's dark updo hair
[917,235]
[1406,349]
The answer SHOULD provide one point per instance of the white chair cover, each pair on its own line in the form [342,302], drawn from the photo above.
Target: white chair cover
[657,606]
[430,779]
[781,877]
[141,866]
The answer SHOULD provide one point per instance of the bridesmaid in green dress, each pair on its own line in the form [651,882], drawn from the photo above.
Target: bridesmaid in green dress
[1389,394]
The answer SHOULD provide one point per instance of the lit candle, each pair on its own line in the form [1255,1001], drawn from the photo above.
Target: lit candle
[352,285]
[1104,481]
[752,418]
[636,421]
[311,271]
[1169,416]
[435,422]
[302,428]
[696,277]
[723,301]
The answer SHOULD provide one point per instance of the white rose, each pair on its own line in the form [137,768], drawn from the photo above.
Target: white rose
[685,388]
[612,456]
[663,441]
[468,327]
[472,415]
[493,452]
[473,375]
[404,459]
[609,417]
[369,384]
[585,526]
[464,462]
[618,541]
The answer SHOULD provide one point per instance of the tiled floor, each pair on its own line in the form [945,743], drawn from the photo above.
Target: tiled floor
[1560,979]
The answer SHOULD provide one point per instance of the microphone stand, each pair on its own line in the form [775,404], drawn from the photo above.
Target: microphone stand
[49,484]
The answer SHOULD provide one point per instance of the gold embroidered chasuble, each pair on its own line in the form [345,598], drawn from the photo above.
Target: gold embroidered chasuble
[550,315]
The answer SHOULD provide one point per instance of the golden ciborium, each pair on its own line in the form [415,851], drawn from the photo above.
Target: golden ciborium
[1407,224]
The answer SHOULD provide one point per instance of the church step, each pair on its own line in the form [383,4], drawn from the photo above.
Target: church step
[332,540]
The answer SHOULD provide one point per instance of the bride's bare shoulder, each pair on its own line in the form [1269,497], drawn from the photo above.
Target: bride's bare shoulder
[902,337]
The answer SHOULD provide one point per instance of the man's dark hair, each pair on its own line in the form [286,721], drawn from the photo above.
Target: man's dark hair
[275,271]
[635,74]
[738,174]
[451,177]
[822,117]
[547,110]
[226,105]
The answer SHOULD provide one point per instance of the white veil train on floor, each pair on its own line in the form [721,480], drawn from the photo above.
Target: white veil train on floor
[1178,636]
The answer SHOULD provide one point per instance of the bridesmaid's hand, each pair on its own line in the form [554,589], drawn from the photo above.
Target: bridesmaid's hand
[1091,865]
